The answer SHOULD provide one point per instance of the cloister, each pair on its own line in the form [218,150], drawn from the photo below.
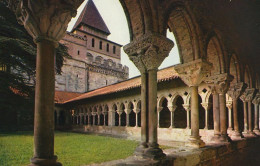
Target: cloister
[214,87]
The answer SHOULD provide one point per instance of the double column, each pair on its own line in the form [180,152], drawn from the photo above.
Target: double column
[147,53]
[256,102]
[219,85]
[46,34]
[193,73]
[247,98]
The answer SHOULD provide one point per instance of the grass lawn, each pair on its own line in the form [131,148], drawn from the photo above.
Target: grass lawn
[72,149]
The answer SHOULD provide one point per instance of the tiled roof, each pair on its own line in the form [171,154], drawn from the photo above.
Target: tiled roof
[162,75]
[61,97]
[91,17]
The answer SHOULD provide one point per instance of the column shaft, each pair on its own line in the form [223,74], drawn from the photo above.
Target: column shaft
[216,114]
[206,119]
[235,116]
[223,116]
[127,119]
[250,127]
[98,119]
[230,118]
[245,117]
[188,119]
[119,123]
[144,109]
[256,127]
[44,101]
[136,119]
[152,87]
[194,112]
[172,119]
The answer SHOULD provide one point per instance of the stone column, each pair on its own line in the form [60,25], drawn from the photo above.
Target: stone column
[89,121]
[119,116]
[127,111]
[98,118]
[187,108]
[111,116]
[46,21]
[147,53]
[219,84]
[159,109]
[94,118]
[206,107]
[229,106]
[136,116]
[172,108]
[193,73]
[104,113]
[256,102]
[247,97]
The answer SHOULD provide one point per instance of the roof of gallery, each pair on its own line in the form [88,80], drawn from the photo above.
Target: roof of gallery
[92,18]
[162,75]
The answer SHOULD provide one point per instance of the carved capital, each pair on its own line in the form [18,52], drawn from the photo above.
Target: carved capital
[256,100]
[186,107]
[219,83]
[236,90]
[46,20]
[229,105]
[148,51]
[206,106]
[172,108]
[193,73]
[248,95]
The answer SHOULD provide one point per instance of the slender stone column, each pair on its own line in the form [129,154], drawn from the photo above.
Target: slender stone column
[147,53]
[187,108]
[89,121]
[172,108]
[235,91]
[119,118]
[127,111]
[136,116]
[256,102]
[247,98]
[229,106]
[46,21]
[206,108]
[98,119]
[193,73]
[219,84]
[159,109]
[111,116]
[94,119]
[104,120]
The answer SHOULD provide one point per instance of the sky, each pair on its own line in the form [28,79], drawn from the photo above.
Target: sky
[114,17]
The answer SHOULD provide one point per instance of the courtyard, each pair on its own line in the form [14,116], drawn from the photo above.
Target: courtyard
[73,149]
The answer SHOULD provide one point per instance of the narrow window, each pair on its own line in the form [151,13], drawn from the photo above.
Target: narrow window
[93,42]
[100,45]
[78,52]
[114,49]
[107,47]
[106,82]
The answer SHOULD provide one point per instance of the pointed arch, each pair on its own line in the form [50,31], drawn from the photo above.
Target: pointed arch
[248,77]
[234,68]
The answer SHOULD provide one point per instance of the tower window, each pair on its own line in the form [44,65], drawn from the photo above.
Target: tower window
[2,67]
[114,49]
[100,45]
[78,52]
[93,42]
[107,47]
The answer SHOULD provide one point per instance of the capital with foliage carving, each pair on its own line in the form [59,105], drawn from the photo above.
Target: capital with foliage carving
[248,95]
[148,51]
[193,73]
[256,100]
[46,19]
[219,83]
[236,90]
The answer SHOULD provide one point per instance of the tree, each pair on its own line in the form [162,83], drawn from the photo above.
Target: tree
[18,57]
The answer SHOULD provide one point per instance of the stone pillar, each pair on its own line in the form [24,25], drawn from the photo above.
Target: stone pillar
[206,107]
[247,97]
[187,108]
[104,113]
[159,109]
[127,111]
[219,84]
[94,118]
[147,53]
[89,121]
[229,106]
[256,102]
[172,108]
[98,118]
[119,116]
[47,27]
[193,73]
[136,116]
[111,117]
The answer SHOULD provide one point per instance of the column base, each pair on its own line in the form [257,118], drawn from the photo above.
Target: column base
[236,135]
[248,134]
[224,138]
[216,138]
[151,152]
[256,131]
[195,142]
[230,129]
[45,162]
